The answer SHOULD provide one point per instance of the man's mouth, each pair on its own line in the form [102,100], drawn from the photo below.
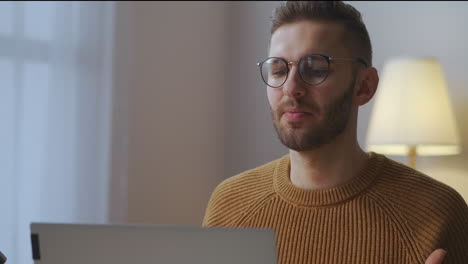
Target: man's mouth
[295,114]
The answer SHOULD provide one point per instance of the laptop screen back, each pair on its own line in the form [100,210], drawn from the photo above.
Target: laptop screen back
[124,244]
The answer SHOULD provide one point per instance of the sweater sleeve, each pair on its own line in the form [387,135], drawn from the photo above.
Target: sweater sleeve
[454,236]
[428,213]
[442,222]
[218,211]
[234,197]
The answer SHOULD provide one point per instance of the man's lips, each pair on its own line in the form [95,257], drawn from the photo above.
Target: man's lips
[295,114]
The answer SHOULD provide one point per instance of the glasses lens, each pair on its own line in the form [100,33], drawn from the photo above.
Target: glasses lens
[313,69]
[274,72]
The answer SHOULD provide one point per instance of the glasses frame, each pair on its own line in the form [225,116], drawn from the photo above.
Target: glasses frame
[327,58]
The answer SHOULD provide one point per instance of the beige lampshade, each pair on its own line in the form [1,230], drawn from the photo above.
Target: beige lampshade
[413,108]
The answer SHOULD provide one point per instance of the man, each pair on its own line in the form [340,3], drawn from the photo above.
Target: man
[328,200]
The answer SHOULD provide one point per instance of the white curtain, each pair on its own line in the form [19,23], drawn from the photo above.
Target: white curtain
[55,117]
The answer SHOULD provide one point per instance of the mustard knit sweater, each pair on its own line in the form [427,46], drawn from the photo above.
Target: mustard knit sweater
[388,214]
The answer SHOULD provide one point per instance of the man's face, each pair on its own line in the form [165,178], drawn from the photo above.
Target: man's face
[306,117]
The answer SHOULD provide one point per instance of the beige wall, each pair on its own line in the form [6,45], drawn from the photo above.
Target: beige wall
[250,136]
[174,93]
[178,135]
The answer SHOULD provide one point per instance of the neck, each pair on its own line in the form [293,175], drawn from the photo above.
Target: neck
[329,166]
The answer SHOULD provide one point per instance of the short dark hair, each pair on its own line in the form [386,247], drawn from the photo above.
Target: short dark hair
[355,34]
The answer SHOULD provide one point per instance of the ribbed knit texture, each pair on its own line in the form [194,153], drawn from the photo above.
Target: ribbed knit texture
[389,213]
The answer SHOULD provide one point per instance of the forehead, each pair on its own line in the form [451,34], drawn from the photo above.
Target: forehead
[294,40]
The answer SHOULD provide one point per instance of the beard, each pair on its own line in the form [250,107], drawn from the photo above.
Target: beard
[298,137]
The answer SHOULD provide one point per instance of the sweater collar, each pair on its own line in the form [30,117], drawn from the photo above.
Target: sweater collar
[326,197]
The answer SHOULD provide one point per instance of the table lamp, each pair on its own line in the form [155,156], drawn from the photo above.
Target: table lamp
[412,114]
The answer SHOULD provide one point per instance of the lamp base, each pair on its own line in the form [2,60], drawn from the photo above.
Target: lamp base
[412,156]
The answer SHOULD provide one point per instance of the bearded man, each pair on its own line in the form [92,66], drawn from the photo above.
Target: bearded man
[328,200]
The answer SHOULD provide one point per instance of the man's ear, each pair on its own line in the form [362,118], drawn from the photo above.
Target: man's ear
[367,85]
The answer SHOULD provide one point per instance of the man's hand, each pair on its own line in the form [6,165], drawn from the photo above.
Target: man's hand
[436,257]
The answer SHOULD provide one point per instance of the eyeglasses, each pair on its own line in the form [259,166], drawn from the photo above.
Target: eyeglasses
[313,69]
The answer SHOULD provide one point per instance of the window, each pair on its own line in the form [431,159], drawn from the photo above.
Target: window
[55,101]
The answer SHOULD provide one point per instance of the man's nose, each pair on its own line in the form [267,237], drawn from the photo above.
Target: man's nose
[294,86]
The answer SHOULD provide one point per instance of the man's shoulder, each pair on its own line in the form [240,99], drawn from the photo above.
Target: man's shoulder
[412,197]
[236,194]
[262,174]
[250,182]
[407,184]
[425,210]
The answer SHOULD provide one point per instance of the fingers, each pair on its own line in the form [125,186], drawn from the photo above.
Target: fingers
[436,257]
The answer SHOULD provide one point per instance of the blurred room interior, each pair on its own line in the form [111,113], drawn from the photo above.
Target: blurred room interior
[132,112]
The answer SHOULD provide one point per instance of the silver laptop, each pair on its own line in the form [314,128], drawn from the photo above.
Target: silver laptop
[141,244]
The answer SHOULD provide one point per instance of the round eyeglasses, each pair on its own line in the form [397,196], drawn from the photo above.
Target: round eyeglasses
[313,69]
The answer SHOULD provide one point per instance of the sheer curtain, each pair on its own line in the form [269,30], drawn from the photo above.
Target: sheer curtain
[55,117]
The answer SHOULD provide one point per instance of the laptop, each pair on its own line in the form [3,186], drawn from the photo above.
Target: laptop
[54,243]
[2,258]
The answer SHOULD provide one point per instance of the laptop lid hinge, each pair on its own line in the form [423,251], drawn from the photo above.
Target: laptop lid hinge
[36,254]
